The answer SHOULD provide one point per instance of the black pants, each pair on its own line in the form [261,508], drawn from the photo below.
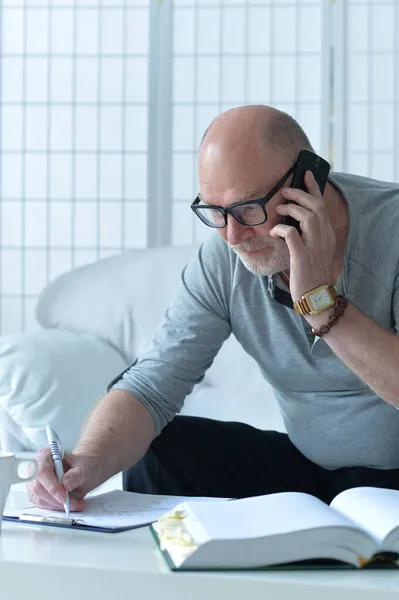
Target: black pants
[194,456]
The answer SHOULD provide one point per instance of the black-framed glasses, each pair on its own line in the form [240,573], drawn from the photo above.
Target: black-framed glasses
[248,212]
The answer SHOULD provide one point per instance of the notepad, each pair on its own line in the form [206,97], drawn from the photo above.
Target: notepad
[112,511]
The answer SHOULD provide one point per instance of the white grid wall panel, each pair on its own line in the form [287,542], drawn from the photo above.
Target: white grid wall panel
[371,89]
[74,81]
[232,52]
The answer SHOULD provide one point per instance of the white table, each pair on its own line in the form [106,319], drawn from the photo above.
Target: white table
[44,563]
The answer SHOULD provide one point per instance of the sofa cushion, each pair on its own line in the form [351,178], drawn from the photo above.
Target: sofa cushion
[119,299]
[50,377]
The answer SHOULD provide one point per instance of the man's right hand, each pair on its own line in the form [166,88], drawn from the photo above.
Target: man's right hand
[46,492]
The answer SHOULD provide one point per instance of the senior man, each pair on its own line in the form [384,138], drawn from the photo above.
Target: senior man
[335,374]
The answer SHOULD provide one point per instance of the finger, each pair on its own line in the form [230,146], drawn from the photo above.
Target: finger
[40,497]
[294,210]
[46,476]
[44,458]
[306,215]
[49,481]
[308,221]
[313,202]
[76,502]
[291,236]
[73,479]
[312,185]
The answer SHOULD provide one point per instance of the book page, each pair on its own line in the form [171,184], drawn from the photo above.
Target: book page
[119,509]
[274,514]
[376,510]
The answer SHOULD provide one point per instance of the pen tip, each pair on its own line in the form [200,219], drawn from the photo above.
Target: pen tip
[66,506]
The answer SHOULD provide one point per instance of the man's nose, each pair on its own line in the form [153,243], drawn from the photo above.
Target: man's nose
[235,231]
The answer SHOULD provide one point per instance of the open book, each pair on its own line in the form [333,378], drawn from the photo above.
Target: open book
[360,527]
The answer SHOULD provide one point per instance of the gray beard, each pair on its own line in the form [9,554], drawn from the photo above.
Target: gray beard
[275,260]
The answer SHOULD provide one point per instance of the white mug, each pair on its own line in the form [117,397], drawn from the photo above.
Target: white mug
[9,465]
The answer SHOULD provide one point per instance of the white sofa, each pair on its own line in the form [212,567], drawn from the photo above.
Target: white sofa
[94,321]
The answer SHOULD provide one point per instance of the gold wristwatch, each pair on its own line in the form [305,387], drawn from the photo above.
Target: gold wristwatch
[315,301]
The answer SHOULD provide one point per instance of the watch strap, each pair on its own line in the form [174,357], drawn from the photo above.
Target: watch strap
[339,308]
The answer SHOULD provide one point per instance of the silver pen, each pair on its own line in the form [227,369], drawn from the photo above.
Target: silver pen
[57,454]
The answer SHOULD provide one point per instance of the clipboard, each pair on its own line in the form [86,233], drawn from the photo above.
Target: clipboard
[109,512]
[67,523]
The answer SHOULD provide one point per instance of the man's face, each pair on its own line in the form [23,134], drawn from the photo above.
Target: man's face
[260,253]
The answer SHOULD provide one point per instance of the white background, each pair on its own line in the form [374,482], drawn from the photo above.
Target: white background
[75,114]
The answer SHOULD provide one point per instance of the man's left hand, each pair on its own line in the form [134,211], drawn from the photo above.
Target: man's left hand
[311,255]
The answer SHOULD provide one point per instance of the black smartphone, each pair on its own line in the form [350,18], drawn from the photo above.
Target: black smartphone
[307,161]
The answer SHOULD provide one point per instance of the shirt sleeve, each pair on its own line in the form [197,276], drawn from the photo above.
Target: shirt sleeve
[185,344]
[395,304]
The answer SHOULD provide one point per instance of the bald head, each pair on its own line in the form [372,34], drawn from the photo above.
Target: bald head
[271,129]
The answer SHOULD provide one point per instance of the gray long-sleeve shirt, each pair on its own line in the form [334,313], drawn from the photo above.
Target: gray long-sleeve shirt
[330,414]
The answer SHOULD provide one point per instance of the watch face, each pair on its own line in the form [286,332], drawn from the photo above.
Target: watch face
[320,299]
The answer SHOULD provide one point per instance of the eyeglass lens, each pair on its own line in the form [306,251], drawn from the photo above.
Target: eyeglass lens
[250,214]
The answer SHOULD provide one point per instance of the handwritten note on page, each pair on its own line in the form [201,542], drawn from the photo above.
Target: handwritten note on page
[117,509]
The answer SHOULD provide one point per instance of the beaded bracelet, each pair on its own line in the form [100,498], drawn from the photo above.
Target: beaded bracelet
[339,308]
